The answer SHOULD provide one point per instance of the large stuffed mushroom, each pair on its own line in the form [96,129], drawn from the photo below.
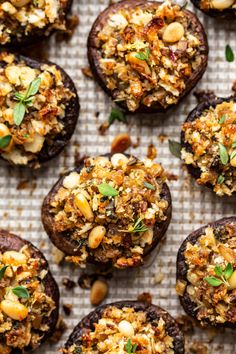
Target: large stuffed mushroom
[206,274]
[39,110]
[110,210]
[208,142]
[147,55]
[24,21]
[127,327]
[29,297]
[217,8]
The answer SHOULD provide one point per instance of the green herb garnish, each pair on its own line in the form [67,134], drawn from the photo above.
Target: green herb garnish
[224,156]
[220,179]
[149,186]
[222,275]
[175,148]
[222,119]
[21,292]
[130,348]
[2,271]
[137,227]
[25,100]
[116,114]
[5,141]
[144,55]
[229,54]
[107,190]
[233,154]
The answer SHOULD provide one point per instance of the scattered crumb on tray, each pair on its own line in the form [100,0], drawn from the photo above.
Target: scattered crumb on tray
[85,281]
[158,278]
[67,309]
[87,72]
[204,95]
[162,138]
[152,152]
[186,324]
[68,284]
[103,128]
[57,255]
[171,176]
[145,297]
[59,330]
[137,143]
[196,347]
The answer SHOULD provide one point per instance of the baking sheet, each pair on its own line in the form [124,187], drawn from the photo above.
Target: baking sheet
[22,192]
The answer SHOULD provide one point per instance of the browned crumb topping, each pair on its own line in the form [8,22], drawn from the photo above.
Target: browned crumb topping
[116,224]
[24,305]
[44,116]
[124,328]
[148,54]
[19,18]
[219,5]
[213,294]
[211,144]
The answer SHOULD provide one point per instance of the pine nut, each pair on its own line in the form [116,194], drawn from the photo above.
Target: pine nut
[96,235]
[83,205]
[13,258]
[126,328]
[173,32]
[14,310]
[98,292]
[118,160]
[20,3]
[232,281]
[222,4]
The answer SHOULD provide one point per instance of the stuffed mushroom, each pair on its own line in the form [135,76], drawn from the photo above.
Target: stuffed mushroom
[39,110]
[209,145]
[147,55]
[217,8]
[127,327]
[206,274]
[29,297]
[24,21]
[110,210]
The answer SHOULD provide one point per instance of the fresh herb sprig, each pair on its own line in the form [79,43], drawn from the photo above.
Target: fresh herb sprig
[2,271]
[222,119]
[222,275]
[118,115]
[149,185]
[25,100]
[175,148]
[224,156]
[129,347]
[21,292]
[144,55]
[138,226]
[5,141]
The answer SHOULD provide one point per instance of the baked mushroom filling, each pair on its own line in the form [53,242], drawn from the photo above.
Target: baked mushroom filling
[125,331]
[24,306]
[211,275]
[20,17]
[211,147]
[110,208]
[33,106]
[148,53]
[219,5]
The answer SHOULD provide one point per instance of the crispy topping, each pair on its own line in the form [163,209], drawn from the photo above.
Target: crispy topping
[33,104]
[110,208]
[148,54]
[125,331]
[19,18]
[212,275]
[211,147]
[24,306]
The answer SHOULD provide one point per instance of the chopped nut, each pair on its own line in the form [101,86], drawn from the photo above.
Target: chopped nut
[120,143]
[98,292]
[173,32]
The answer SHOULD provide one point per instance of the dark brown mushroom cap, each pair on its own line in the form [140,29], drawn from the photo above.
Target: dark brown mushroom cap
[70,247]
[224,14]
[50,151]
[152,312]
[182,268]
[11,242]
[94,55]
[38,34]
[193,115]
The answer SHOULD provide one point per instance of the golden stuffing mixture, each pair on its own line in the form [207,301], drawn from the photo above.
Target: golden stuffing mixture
[110,209]
[148,54]
[119,329]
[19,18]
[219,5]
[24,306]
[45,111]
[211,140]
[213,252]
